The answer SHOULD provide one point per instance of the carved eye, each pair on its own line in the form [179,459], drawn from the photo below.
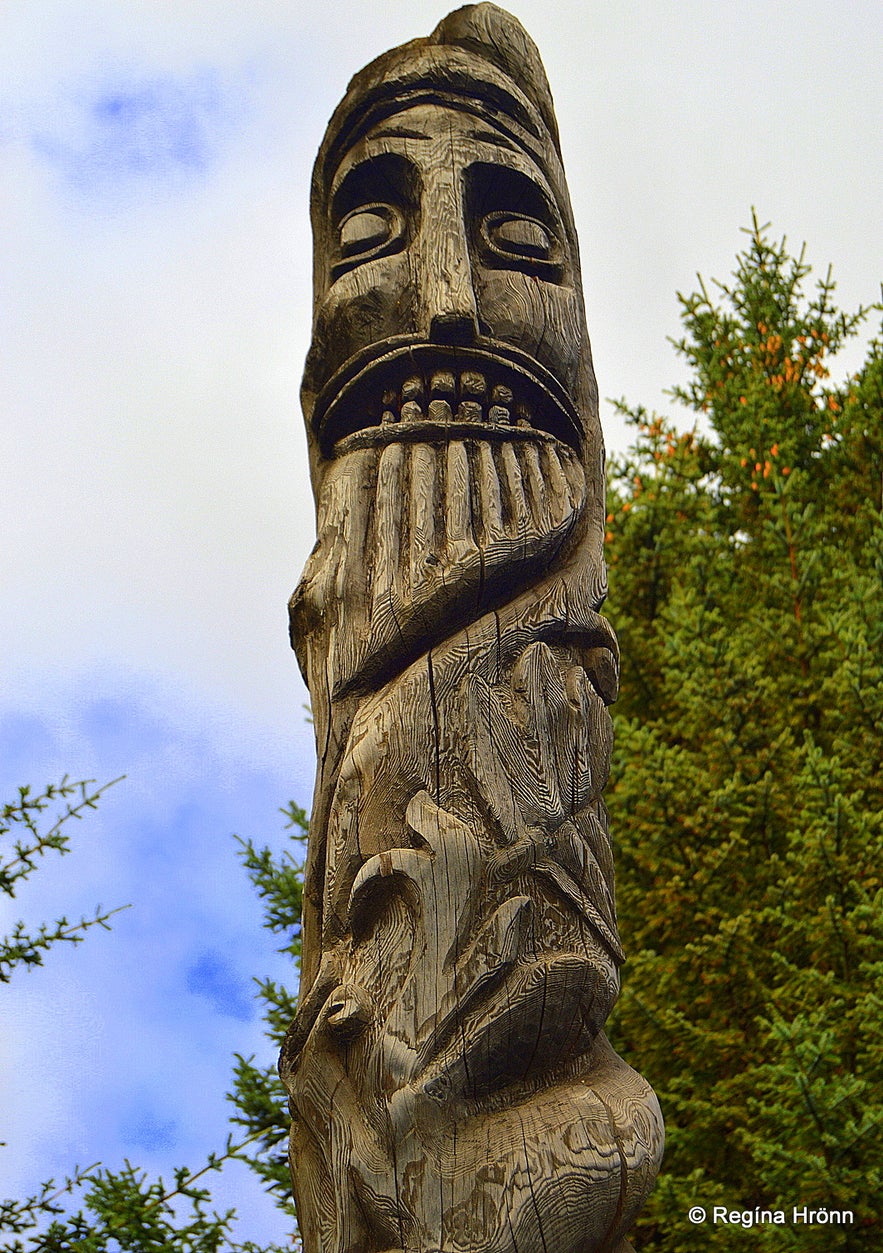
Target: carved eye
[518,238]
[367,232]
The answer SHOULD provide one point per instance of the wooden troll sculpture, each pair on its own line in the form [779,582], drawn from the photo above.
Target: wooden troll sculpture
[451,1085]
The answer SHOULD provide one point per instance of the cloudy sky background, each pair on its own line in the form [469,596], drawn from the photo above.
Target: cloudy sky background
[154,316]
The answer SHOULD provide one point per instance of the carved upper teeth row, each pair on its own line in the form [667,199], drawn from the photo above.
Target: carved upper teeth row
[444,397]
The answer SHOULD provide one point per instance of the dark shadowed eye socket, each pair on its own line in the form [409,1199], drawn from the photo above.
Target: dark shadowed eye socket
[516,223]
[367,232]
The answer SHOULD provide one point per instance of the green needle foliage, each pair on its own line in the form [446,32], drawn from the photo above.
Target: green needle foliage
[746,793]
[259,1098]
[98,1210]
[22,846]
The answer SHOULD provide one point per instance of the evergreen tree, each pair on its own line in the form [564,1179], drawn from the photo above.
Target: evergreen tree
[746,792]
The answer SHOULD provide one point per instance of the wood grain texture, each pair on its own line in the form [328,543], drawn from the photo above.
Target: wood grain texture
[451,1086]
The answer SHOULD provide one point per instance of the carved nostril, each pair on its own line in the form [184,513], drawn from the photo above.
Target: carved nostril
[453,328]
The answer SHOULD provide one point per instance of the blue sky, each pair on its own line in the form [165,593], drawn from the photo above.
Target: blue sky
[154,312]
[122,1047]
[137,130]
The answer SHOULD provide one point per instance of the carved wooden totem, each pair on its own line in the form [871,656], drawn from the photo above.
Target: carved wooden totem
[451,1086]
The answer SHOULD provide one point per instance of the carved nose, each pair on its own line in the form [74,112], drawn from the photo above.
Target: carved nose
[453,328]
[450,309]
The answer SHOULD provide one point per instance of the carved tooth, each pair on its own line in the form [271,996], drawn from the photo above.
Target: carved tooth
[388,416]
[576,479]
[559,492]
[469,411]
[388,523]
[502,395]
[458,506]
[440,411]
[442,385]
[534,487]
[487,486]
[422,507]
[500,412]
[523,415]
[510,480]
[412,388]
[411,411]
[472,384]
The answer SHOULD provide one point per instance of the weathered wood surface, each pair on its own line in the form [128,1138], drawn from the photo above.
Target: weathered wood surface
[451,1085]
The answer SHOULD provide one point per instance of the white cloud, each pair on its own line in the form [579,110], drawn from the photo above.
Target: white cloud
[132,133]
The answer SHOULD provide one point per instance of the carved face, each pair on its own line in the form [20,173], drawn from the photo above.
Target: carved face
[446,272]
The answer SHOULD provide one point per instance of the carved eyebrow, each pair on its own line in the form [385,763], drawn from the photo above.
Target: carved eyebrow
[398,132]
[494,137]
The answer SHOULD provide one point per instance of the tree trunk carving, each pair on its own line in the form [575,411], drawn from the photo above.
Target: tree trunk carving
[451,1085]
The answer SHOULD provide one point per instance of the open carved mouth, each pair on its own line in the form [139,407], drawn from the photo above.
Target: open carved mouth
[431,392]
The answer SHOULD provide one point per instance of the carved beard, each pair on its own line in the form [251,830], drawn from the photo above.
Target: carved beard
[428,519]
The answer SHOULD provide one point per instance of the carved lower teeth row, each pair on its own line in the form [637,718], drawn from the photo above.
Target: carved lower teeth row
[444,398]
